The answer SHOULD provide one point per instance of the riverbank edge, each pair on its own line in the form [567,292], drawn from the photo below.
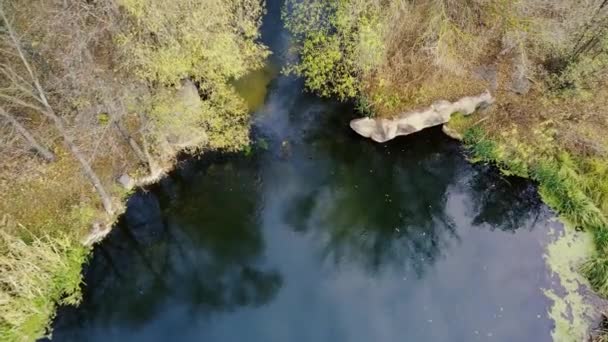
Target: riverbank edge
[573,254]
[565,254]
[577,307]
[83,248]
[63,285]
[72,246]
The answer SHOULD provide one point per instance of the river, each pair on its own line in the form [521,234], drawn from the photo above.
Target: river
[319,235]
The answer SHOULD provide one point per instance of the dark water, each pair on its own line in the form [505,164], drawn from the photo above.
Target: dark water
[319,235]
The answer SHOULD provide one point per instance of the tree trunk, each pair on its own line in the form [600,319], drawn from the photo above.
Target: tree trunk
[85,166]
[59,125]
[152,165]
[44,152]
[132,143]
[48,111]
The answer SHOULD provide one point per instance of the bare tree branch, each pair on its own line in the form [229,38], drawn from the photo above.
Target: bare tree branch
[48,111]
[42,151]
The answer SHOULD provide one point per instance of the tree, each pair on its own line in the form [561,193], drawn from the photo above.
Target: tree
[189,52]
[24,132]
[30,94]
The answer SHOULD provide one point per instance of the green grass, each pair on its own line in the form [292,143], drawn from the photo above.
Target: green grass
[486,150]
[482,149]
[41,253]
[576,188]
[560,187]
[36,276]
[596,271]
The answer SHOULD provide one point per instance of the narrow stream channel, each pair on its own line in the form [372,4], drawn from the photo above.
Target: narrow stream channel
[320,235]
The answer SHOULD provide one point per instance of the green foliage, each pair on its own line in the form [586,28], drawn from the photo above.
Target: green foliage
[227,121]
[596,270]
[583,76]
[208,40]
[336,42]
[370,50]
[515,167]
[482,149]
[575,188]
[103,118]
[459,122]
[559,186]
[404,54]
[326,68]
[308,16]
[595,181]
[248,151]
[35,277]
[364,107]
[180,119]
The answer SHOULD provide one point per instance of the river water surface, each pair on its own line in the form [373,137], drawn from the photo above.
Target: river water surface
[320,235]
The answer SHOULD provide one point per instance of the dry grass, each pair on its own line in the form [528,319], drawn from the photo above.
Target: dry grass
[46,211]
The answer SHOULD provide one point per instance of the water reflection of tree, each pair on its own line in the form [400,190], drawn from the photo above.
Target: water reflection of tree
[201,254]
[381,206]
[504,203]
[385,205]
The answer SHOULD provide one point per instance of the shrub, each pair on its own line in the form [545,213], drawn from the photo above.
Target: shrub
[35,277]
[482,149]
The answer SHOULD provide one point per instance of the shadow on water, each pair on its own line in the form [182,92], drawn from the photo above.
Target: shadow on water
[375,206]
[184,243]
[505,203]
[319,235]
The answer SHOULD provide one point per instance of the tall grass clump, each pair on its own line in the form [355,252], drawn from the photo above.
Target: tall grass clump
[596,271]
[38,272]
[576,188]
[561,189]
[482,149]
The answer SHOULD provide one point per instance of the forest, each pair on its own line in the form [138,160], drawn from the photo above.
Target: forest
[98,97]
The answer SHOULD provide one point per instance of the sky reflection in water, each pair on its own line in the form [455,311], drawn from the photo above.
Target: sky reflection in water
[321,236]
